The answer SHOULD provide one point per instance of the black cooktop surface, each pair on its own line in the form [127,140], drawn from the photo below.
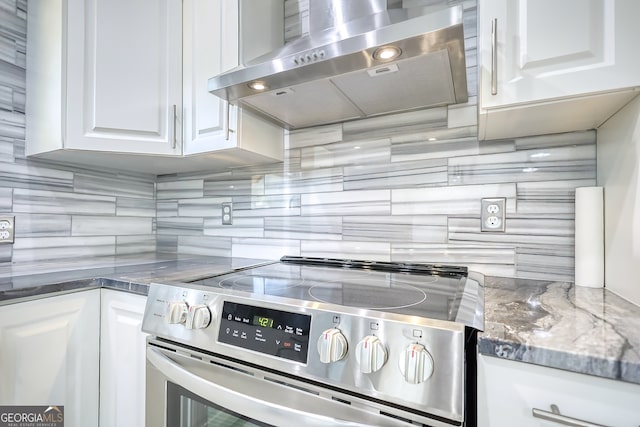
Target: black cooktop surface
[423,290]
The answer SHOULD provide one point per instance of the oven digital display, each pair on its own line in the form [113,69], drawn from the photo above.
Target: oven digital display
[274,332]
[265,322]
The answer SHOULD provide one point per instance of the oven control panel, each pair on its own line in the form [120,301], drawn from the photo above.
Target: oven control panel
[402,359]
[274,332]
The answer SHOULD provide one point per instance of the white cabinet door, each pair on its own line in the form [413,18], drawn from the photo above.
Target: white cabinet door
[508,391]
[124,66]
[122,359]
[210,48]
[576,58]
[549,49]
[49,355]
[104,76]
[217,37]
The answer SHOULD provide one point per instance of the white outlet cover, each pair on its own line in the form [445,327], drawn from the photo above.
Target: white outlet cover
[227,214]
[7,229]
[492,215]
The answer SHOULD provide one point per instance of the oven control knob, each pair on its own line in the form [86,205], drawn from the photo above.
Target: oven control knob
[198,317]
[332,346]
[416,364]
[176,312]
[371,354]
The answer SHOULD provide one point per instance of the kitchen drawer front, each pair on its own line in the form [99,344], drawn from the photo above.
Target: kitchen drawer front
[508,391]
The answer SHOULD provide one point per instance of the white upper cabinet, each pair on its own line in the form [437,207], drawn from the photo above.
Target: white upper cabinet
[114,69]
[216,40]
[210,47]
[110,78]
[549,66]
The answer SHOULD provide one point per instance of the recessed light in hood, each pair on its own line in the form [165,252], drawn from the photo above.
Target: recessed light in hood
[387,53]
[258,86]
[385,61]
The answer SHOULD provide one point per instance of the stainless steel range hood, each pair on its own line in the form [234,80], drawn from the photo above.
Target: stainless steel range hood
[345,68]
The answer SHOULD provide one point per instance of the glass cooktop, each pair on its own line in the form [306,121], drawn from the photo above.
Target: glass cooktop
[433,291]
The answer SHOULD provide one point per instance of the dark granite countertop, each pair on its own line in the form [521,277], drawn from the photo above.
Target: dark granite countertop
[559,325]
[553,324]
[128,273]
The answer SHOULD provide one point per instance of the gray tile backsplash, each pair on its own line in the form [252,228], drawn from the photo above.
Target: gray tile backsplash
[420,210]
[60,211]
[404,187]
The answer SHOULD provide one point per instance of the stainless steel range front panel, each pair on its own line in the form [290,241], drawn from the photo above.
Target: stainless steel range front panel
[283,334]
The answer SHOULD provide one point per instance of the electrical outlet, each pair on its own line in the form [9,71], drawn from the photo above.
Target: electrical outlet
[492,216]
[6,229]
[227,214]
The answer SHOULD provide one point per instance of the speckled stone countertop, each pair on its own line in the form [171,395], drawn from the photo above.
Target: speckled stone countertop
[553,324]
[559,325]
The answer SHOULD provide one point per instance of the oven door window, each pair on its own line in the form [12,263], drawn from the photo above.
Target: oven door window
[185,409]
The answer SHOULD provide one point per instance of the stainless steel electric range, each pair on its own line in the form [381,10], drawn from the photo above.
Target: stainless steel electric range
[310,341]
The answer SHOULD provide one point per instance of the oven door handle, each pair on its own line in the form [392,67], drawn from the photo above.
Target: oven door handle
[238,402]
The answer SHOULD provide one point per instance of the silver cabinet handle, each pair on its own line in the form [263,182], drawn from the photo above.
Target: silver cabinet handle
[555,416]
[494,56]
[227,107]
[175,122]
[227,121]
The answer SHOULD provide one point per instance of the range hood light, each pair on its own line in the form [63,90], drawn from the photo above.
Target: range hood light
[259,86]
[387,53]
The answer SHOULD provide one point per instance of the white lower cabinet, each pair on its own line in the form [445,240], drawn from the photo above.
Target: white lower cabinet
[122,359]
[508,392]
[49,355]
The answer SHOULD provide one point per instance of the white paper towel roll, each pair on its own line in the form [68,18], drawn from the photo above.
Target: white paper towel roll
[589,261]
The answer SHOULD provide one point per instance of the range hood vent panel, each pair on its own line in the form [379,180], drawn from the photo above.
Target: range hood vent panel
[321,79]
[403,87]
[300,107]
